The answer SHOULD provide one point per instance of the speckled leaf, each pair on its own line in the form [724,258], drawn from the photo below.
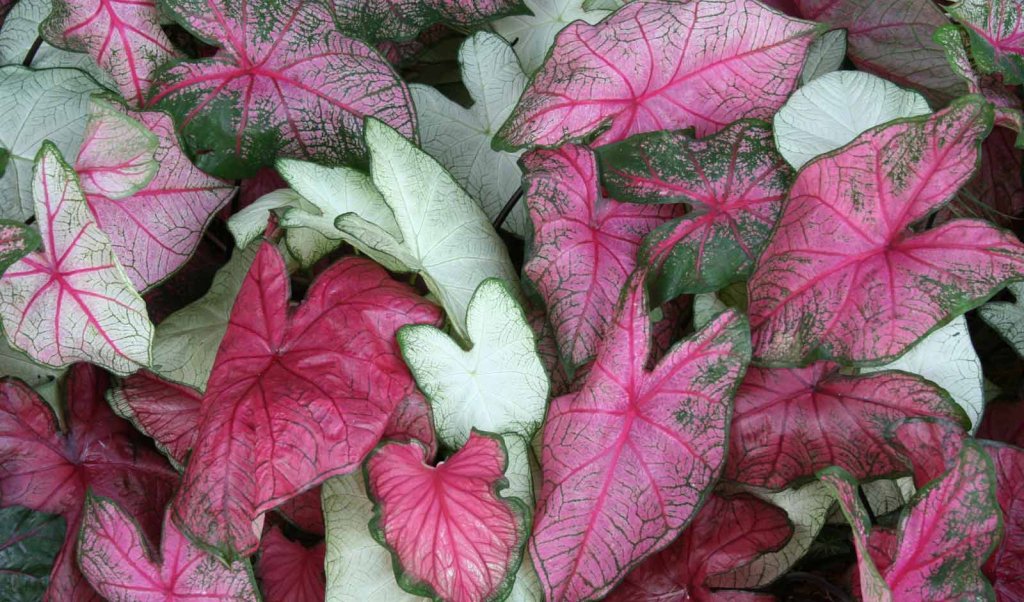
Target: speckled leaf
[1005,568]
[123,37]
[285,83]
[453,534]
[290,571]
[629,459]
[996,29]
[29,542]
[531,36]
[584,247]
[122,565]
[72,301]
[844,277]
[376,20]
[734,182]
[645,68]
[16,241]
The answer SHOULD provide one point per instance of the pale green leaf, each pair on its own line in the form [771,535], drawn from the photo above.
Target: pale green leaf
[1008,318]
[533,35]
[825,55]
[888,495]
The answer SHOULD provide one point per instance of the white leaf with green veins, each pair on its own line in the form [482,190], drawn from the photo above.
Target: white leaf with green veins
[251,222]
[499,385]
[825,55]
[1007,318]
[533,35]
[519,472]
[888,495]
[835,108]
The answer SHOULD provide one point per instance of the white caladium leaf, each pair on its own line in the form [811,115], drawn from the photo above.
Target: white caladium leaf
[499,385]
[825,55]
[50,104]
[947,358]
[888,495]
[1008,318]
[532,35]
[460,138]
[251,222]
[72,301]
[837,107]
[124,157]
[520,474]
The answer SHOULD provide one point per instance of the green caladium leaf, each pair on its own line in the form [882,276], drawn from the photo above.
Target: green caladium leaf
[1007,318]
[498,385]
[29,542]
[379,20]
[460,138]
[996,29]
[532,35]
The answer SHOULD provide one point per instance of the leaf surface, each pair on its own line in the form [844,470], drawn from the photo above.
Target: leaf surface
[289,571]
[16,241]
[825,55]
[376,20]
[1005,568]
[996,29]
[1003,421]
[29,542]
[1007,318]
[644,69]
[532,35]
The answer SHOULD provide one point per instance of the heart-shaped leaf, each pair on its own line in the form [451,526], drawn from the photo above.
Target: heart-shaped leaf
[289,571]
[734,182]
[843,260]
[532,35]
[71,300]
[311,390]
[629,459]
[643,69]
[285,83]
[29,542]
[16,241]
[584,246]
[454,536]
[119,562]
[376,20]
[1005,568]
[996,29]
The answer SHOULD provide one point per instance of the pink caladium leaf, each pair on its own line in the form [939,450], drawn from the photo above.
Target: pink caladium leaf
[452,533]
[585,245]
[123,36]
[1005,568]
[379,20]
[120,563]
[155,229]
[944,535]
[16,241]
[727,533]
[734,182]
[928,446]
[286,83]
[167,412]
[844,277]
[790,423]
[294,397]
[629,459]
[290,571]
[996,29]
[646,68]
[305,512]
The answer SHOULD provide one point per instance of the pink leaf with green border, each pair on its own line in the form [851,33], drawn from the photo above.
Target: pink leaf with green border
[629,459]
[1005,568]
[585,245]
[123,36]
[452,533]
[285,83]
[16,241]
[290,571]
[378,20]
[928,446]
[295,397]
[734,182]
[845,277]
[71,300]
[789,423]
[996,29]
[656,65]
[120,563]
[156,228]
[726,534]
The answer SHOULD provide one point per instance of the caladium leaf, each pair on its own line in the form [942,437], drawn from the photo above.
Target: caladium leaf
[843,260]
[29,542]
[996,29]
[532,35]
[1007,318]
[289,570]
[123,37]
[825,55]
[311,389]
[1003,421]
[454,536]
[49,104]
[44,380]
[943,537]
[832,110]
[585,246]
[120,563]
[155,223]
[285,83]
[728,532]
[460,138]
[734,181]
[996,192]
[498,385]
[305,512]
[629,459]
[72,301]
[636,72]
[376,20]
[166,412]
[892,39]
[789,423]
[16,241]
[1005,568]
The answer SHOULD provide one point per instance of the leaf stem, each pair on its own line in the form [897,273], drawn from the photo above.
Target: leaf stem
[32,52]
[507,209]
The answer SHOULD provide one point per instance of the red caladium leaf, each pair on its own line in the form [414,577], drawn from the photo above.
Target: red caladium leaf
[286,83]
[16,241]
[1005,568]
[305,512]
[289,571]
[844,276]
[646,68]
[167,412]
[629,459]
[1003,421]
[996,29]
[585,246]
[294,397]
[452,533]
[734,181]
[119,562]
[155,229]
[123,36]
[727,533]
[378,20]
[790,423]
